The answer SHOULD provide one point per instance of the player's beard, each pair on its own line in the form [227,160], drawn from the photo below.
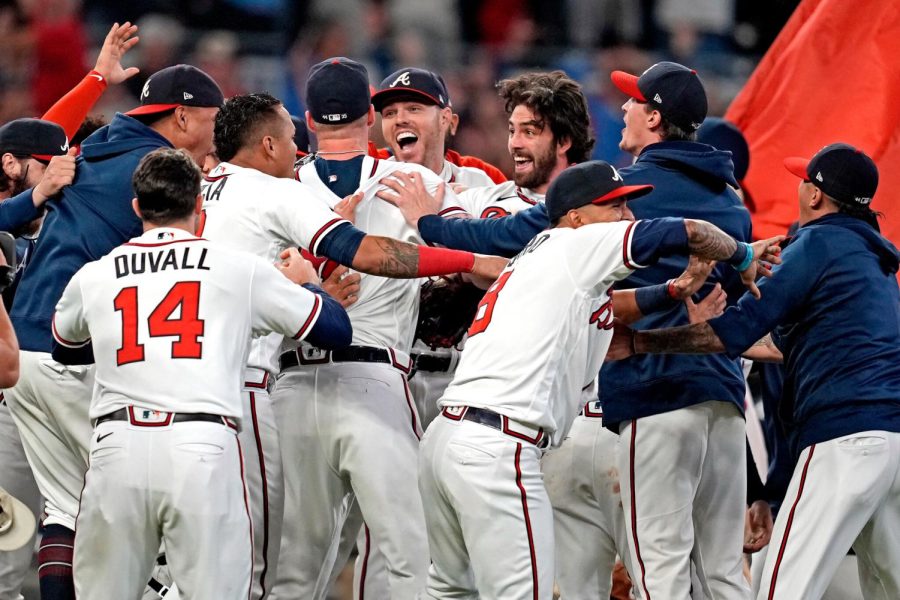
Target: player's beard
[541,168]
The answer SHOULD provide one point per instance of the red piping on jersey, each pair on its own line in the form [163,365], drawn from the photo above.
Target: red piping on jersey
[790,521]
[313,314]
[153,245]
[525,198]
[215,178]
[396,363]
[365,565]
[451,209]
[63,340]
[262,385]
[249,518]
[625,243]
[315,239]
[265,494]
[374,168]
[412,410]
[136,423]
[534,574]
[590,412]
[637,547]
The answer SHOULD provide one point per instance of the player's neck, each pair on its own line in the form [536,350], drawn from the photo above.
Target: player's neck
[188,225]
[342,148]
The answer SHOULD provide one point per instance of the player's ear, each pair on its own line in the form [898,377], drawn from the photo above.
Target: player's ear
[268,145]
[454,123]
[136,208]
[310,124]
[654,119]
[198,204]
[563,145]
[181,117]
[370,117]
[11,167]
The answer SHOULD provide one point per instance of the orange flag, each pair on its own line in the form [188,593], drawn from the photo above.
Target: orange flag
[832,75]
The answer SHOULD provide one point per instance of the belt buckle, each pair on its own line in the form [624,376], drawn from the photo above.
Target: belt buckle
[310,355]
[145,417]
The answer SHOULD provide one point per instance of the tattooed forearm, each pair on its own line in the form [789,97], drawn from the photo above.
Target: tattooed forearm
[698,338]
[387,257]
[708,241]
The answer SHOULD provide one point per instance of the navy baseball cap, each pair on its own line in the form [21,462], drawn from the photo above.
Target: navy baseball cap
[724,135]
[412,84]
[843,172]
[592,182]
[179,85]
[36,138]
[337,91]
[672,89]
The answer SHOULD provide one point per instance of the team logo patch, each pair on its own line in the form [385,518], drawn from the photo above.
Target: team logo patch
[402,78]
[616,176]
[657,98]
[819,176]
[146,91]
[188,96]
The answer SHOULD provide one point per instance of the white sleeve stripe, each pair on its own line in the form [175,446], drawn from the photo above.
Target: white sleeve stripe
[627,258]
[63,341]
[311,319]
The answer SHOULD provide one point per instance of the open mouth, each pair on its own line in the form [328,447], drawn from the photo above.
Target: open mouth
[406,139]
[522,163]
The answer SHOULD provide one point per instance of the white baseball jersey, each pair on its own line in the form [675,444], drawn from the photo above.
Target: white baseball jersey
[498,200]
[542,330]
[387,309]
[169,296]
[248,210]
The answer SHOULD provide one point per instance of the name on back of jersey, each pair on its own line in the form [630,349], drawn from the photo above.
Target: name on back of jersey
[530,247]
[161,259]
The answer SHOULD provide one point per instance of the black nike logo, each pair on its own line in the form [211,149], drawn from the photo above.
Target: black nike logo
[100,438]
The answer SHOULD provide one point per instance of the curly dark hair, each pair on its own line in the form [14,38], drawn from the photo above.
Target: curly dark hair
[239,120]
[166,183]
[559,99]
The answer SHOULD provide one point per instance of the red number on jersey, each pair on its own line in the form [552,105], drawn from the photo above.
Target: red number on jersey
[485,308]
[188,327]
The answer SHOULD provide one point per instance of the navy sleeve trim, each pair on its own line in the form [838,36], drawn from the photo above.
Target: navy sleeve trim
[313,314]
[340,244]
[649,240]
[332,329]
[504,236]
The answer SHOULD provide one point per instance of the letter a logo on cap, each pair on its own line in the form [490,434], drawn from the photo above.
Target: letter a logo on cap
[403,78]
[146,91]
[616,176]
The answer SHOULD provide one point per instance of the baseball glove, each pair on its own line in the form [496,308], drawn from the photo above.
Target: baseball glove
[446,309]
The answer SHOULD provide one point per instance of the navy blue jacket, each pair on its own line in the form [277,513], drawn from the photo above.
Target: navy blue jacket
[691,181]
[834,306]
[90,218]
[17,211]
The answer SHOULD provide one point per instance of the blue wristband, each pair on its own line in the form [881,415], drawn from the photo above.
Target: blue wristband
[742,257]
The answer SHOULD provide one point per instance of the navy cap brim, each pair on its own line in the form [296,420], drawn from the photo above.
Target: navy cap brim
[797,166]
[385,97]
[627,83]
[627,191]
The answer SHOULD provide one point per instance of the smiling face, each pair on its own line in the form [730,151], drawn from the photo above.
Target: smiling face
[415,132]
[538,157]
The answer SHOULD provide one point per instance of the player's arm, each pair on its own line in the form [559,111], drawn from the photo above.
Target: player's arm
[505,236]
[69,326]
[633,304]
[70,110]
[9,346]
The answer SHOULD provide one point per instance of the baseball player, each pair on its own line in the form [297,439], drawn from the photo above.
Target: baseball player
[335,429]
[842,380]
[90,217]
[254,139]
[162,311]
[519,383]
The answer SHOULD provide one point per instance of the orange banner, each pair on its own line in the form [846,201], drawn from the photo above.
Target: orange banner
[832,75]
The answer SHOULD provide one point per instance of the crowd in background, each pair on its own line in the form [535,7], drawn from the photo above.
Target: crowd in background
[46,46]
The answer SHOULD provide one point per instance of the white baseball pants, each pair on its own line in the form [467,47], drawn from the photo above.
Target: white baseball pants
[684,485]
[349,435]
[182,483]
[844,492]
[50,407]
[582,480]
[490,523]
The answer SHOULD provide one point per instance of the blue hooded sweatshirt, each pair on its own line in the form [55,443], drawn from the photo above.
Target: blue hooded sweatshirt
[90,218]
[833,306]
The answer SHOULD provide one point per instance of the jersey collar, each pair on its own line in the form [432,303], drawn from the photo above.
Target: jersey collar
[159,235]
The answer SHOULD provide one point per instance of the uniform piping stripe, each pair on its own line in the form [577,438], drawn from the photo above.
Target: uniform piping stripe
[313,316]
[525,198]
[322,231]
[64,341]
[365,564]
[451,209]
[412,410]
[626,248]
[247,511]
[790,521]
[534,575]
[155,244]
[265,493]
[637,546]
[374,168]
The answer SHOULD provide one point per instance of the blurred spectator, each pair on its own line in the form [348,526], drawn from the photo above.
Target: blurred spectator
[59,49]
[217,54]
[162,38]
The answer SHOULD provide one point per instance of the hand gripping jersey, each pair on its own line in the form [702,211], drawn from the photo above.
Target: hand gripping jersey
[385,314]
[543,328]
[264,215]
[169,315]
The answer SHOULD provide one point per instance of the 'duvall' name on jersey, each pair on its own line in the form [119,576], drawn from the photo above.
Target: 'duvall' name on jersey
[154,261]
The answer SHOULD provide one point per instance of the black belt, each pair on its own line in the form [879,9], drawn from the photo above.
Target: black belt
[489,418]
[294,358]
[122,415]
[431,363]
